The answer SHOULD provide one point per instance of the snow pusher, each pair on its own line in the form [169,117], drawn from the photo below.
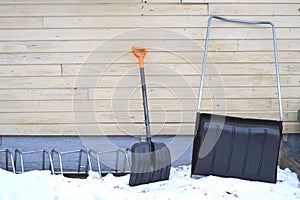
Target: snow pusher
[237,147]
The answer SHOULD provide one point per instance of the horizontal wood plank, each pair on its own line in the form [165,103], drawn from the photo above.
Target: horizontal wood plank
[186,81]
[135,8]
[144,34]
[180,69]
[130,117]
[134,105]
[241,2]
[62,2]
[155,57]
[18,23]
[30,70]
[154,93]
[96,129]
[133,81]
[70,1]
[112,129]
[123,45]
[266,45]
[168,45]
[291,127]
[191,93]
[186,21]
[42,94]
[278,20]
[254,9]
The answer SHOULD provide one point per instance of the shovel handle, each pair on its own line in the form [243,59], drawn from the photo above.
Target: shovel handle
[140,53]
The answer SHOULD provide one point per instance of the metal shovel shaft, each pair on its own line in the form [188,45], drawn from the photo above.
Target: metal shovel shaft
[145,104]
[140,53]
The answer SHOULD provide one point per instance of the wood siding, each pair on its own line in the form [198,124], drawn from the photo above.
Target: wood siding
[66,66]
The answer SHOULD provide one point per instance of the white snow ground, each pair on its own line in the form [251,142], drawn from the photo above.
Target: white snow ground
[41,185]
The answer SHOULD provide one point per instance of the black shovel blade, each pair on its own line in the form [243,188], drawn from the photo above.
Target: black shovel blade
[236,147]
[149,163]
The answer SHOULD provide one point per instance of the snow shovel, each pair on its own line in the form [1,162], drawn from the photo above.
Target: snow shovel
[236,147]
[150,161]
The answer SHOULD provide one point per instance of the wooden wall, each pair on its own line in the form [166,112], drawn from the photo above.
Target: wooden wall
[66,66]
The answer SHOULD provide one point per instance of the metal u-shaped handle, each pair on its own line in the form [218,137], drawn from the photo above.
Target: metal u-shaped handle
[275,55]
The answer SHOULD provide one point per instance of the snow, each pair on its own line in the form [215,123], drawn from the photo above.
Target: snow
[36,185]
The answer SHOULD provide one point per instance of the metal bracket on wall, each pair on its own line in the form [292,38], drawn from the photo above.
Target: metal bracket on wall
[0,140]
[299,115]
[285,138]
[143,139]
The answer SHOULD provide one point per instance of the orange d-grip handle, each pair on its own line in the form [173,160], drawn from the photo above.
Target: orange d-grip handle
[140,55]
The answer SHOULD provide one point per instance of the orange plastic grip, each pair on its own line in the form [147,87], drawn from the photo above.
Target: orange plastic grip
[140,55]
